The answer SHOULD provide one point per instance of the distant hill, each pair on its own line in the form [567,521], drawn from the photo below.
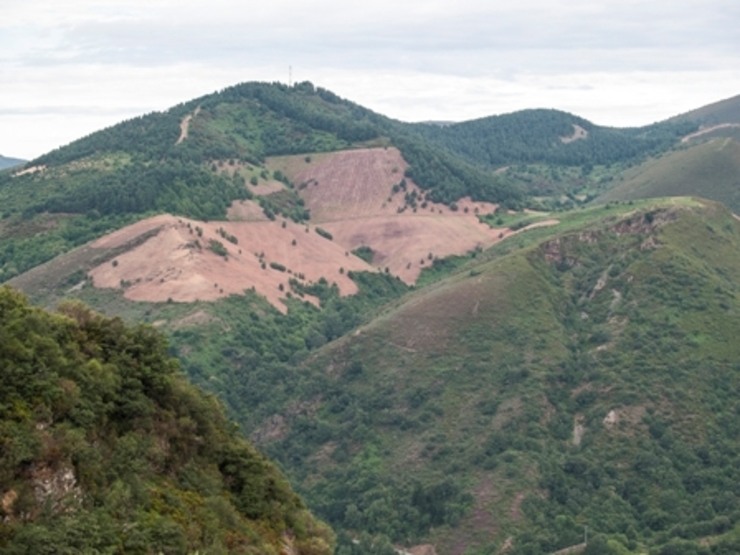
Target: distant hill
[107,449]
[710,170]
[550,136]
[10,162]
[724,111]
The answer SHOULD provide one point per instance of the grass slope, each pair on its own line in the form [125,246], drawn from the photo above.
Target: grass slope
[724,111]
[710,170]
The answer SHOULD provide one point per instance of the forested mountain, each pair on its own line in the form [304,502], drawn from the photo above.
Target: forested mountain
[6,162]
[581,372]
[551,136]
[106,449]
[588,377]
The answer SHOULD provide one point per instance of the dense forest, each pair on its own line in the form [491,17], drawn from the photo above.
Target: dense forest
[548,136]
[106,448]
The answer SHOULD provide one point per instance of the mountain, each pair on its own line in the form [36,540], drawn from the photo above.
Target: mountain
[198,158]
[585,376]
[552,137]
[106,448]
[6,162]
[432,366]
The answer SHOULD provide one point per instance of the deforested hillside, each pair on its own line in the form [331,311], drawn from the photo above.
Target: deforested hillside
[199,158]
[106,449]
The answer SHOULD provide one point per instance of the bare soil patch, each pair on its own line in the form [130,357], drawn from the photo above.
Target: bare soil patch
[246,211]
[358,183]
[403,244]
[350,194]
[32,169]
[177,263]
[579,134]
[185,125]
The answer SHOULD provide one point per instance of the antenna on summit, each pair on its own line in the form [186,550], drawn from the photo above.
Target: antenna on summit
[290,76]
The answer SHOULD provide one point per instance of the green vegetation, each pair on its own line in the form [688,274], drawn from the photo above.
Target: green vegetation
[286,203]
[583,374]
[536,136]
[218,248]
[325,234]
[396,433]
[107,449]
[365,253]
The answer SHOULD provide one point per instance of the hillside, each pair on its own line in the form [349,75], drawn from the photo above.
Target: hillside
[365,217]
[724,111]
[586,379]
[198,158]
[107,449]
[709,169]
[582,374]
[551,137]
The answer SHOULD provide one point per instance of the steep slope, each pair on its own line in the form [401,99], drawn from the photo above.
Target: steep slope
[105,448]
[710,170]
[587,379]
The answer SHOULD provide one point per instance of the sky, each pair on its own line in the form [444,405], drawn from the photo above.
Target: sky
[70,68]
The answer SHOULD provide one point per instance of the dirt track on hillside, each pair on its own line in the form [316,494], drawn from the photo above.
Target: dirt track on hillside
[706,130]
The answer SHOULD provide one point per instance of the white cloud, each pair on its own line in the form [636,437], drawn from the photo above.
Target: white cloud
[69,68]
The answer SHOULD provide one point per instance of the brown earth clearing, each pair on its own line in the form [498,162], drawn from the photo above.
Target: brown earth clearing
[707,130]
[579,133]
[178,264]
[246,211]
[349,194]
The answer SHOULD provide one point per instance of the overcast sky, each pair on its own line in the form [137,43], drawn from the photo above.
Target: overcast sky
[69,68]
